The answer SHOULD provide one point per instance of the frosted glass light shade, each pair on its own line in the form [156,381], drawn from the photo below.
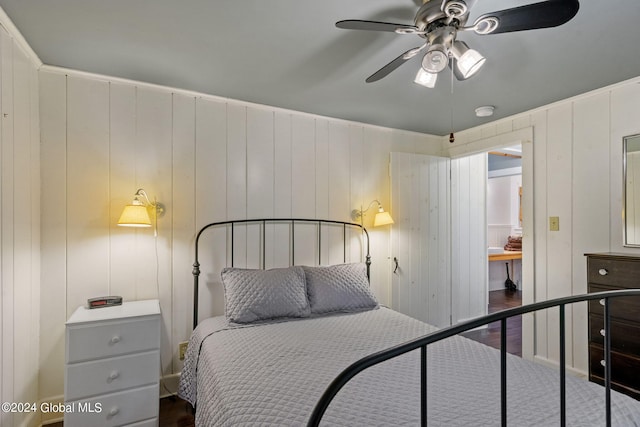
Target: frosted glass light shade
[469,61]
[382,218]
[426,78]
[135,215]
[436,59]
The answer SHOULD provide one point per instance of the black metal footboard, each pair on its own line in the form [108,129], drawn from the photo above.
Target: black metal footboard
[292,222]
[502,316]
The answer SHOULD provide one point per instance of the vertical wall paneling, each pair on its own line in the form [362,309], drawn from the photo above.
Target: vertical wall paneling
[237,177]
[340,204]
[23,228]
[469,236]
[183,226]
[591,128]
[153,164]
[539,288]
[211,199]
[282,183]
[375,185]
[322,190]
[36,216]
[528,246]
[260,179]
[122,187]
[19,231]
[559,194]
[421,236]
[357,176]
[53,314]
[7,226]
[87,190]
[303,197]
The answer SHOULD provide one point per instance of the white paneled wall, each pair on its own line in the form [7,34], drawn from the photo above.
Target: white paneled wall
[573,171]
[19,230]
[206,159]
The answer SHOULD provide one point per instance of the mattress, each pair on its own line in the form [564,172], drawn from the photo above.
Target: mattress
[272,374]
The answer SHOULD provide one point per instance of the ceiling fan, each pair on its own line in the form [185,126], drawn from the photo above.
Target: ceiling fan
[438,23]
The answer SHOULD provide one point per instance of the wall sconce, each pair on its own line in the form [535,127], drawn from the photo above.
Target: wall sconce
[137,213]
[381,218]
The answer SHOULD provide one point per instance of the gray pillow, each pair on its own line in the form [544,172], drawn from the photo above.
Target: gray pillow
[252,295]
[339,288]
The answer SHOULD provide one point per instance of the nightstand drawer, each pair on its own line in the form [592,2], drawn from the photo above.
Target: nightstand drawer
[93,341]
[88,379]
[116,409]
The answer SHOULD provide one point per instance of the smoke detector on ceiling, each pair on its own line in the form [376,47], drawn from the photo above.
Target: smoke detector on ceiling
[485,111]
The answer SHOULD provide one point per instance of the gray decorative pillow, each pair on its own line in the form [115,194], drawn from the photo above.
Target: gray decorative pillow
[339,288]
[252,295]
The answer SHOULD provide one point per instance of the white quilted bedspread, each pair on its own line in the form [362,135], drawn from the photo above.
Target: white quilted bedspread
[273,375]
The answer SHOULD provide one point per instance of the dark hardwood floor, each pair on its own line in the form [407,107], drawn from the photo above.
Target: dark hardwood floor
[175,412]
[501,300]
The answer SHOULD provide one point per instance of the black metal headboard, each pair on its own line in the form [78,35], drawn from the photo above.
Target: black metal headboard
[263,222]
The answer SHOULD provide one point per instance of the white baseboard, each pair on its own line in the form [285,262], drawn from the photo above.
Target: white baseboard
[51,417]
[169,385]
[553,364]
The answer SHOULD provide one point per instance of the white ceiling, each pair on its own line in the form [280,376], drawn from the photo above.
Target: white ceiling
[289,54]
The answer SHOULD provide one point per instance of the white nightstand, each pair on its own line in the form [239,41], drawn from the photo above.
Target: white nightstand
[112,369]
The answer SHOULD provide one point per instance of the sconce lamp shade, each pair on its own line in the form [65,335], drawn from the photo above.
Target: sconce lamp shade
[382,218]
[135,215]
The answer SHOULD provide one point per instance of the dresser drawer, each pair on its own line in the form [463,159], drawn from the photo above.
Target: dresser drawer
[88,379]
[116,409]
[614,272]
[93,341]
[624,368]
[626,308]
[624,335]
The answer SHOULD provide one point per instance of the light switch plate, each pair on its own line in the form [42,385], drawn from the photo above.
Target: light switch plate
[554,223]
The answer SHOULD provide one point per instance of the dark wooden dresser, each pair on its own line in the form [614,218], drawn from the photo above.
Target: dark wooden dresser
[607,272]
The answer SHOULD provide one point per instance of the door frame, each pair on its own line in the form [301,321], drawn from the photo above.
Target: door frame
[524,137]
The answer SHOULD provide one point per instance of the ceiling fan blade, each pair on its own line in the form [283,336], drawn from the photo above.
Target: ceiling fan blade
[356,24]
[387,69]
[546,14]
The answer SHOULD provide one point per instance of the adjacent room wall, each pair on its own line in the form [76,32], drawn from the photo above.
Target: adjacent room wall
[206,159]
[19,228]
[576,172]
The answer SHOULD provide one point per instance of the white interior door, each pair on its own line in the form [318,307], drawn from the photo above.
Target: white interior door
[421,237]
[469,265]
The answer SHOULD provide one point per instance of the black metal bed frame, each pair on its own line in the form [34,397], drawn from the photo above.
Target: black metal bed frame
[263,223]
[502,316]
[421,343]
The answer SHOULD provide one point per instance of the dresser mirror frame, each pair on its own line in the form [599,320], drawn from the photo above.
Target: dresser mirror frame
[631,191]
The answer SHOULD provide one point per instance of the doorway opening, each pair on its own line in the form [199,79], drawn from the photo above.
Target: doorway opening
[504,238]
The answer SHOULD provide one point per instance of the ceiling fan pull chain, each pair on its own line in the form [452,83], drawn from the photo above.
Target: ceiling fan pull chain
[452,137]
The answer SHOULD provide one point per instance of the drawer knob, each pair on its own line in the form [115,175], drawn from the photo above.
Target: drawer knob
[113,375]
[602,332]
[602,301]
[603,272]
[114,411]
[115,339]
[602,362]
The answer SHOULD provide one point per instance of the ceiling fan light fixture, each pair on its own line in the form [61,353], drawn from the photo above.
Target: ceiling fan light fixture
[426,78]
[436,59]
[469,61]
